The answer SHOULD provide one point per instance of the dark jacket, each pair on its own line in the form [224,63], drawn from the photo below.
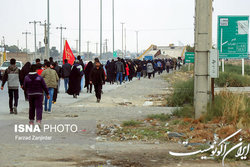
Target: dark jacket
[87,72]
[66,69]
[24,71]
[58,70]
[97,76]
[119,67]
[74,81]
[12,75]
[139,68]
[34,84]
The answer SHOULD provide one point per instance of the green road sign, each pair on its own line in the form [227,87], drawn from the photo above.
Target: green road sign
[189,57]
[115,54]
[233,37]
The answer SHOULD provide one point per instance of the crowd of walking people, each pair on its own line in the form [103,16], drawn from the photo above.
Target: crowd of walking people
[41,82]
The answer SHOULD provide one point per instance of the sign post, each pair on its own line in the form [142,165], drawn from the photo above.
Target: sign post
[232,39]
[115,54]
[213,68]
[243,68]
[214,63]
[189,58]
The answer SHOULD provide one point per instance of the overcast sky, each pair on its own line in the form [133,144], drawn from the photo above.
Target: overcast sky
[159,22]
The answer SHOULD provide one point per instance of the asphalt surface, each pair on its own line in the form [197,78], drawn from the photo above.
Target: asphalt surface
[22,104]
[62,99]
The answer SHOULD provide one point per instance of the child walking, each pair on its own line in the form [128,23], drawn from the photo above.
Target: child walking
[35,85]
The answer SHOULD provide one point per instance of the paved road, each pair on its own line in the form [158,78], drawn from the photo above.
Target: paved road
[22,104]
[63,98]
[4,100]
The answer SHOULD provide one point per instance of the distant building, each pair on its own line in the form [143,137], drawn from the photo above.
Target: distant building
[23,57]
[163,52]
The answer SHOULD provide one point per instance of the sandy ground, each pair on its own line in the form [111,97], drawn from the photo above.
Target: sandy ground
[118,103]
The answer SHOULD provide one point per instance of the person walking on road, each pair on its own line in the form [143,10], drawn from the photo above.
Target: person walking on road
[109,69]
[150,69]
[66,69]
[25,71]
[35,85]
[120,70]
[12,75]
[144,69]
[80,62]
[131,70]
[97,78]
[58,70]
[127,72]
[51,79]
[168,66]
[138,71]
[75,80]
[87,72]
[112,69]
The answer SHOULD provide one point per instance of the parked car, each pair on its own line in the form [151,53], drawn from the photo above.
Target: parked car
[6,64]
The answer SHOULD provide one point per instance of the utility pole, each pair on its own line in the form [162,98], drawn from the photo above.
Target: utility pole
[113,20]
[18,43]
[100,29]
[122,40]
[125,42]
[35,22]
[45,41]
[137,43]
[77,45]
[48,32]
[26,41]
[88,42]
[96,49]
[103,48]
[203,43]
[4,53]
[61,28]
[106,45]
[80,22]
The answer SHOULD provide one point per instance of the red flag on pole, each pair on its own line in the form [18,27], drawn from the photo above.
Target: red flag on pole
[68,54]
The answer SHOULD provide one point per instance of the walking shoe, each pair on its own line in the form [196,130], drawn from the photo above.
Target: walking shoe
[39,123]
[98,100]
[54,102]
[15,110]
[11,111]
[49,112]
[31,122]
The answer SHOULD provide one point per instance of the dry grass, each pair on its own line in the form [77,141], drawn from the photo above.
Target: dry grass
[178,76]
[231,108]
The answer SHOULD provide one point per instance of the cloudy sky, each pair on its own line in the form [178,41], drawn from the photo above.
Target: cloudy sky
[159,22]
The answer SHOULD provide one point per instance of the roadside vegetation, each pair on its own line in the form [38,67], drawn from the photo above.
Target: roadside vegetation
[183,93]
[230,108]
[131,123]
[230,79]
[232,68]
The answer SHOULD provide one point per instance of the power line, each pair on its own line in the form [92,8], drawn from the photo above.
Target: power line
[35,22]
[61,28]
[26,33]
